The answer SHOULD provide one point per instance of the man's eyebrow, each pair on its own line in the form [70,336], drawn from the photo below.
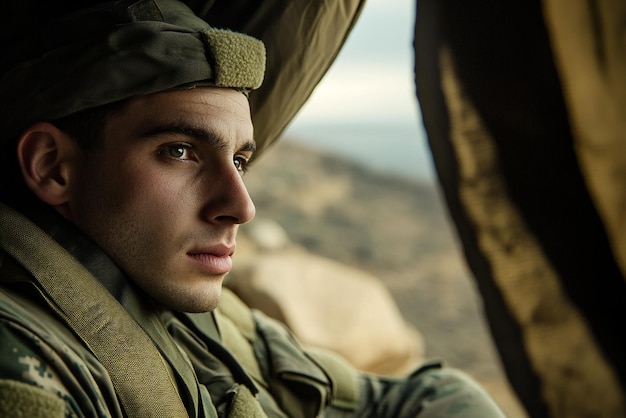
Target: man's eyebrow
[199,133]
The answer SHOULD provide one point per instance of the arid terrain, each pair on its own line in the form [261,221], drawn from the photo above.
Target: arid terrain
[393,228]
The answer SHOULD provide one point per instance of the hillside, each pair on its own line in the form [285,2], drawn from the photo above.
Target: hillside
[394,228]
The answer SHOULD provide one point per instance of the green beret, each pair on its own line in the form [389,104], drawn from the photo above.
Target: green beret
[117,50]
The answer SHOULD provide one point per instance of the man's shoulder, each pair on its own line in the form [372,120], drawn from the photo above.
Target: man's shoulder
[29,369]
[21,302]
[40,355]
[25,400]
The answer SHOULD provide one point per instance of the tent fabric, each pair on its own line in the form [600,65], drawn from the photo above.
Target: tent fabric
[590,53]
[302,39]
[524,106]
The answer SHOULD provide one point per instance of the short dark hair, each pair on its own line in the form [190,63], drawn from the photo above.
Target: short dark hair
[85,127]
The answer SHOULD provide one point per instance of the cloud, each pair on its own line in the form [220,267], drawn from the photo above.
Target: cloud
[353,93]
[372,78]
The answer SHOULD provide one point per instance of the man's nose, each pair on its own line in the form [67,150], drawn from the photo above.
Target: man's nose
[230,201]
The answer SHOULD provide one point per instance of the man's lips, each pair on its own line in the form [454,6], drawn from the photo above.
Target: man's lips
[214,260]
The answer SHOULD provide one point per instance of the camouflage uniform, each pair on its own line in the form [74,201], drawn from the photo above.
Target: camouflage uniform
[43,360]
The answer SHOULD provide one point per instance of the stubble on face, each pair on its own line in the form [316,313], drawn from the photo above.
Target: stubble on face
[148,211]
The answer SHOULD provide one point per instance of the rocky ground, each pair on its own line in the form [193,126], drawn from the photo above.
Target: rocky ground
[394,229]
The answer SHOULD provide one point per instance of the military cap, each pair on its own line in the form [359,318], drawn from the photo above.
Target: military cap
[74,59]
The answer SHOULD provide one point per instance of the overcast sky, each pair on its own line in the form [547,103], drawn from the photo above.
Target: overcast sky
[367,99]
[372,77]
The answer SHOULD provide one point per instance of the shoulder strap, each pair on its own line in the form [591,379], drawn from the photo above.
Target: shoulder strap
[100,321]
[344,378]
[237,331]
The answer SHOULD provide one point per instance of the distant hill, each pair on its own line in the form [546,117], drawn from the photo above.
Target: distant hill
[394,228]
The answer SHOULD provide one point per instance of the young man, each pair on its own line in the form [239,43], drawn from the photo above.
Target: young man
[125,138]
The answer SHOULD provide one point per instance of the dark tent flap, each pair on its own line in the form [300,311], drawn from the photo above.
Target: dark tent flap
[524,104]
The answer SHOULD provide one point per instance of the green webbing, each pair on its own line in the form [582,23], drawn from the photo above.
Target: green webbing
[139,373]
[345,382]
[237,330]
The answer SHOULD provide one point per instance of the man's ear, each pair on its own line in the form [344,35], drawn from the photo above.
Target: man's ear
[47,158]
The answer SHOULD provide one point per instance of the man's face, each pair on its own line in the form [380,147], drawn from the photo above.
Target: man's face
[164,196]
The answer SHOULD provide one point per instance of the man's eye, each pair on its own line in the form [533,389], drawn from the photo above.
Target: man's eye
[241,164]
[179,151]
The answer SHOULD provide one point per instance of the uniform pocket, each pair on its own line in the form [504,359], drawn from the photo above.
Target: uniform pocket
[298,384]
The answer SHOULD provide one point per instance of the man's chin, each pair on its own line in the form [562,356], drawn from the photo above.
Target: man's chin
[199,309]
[202,300]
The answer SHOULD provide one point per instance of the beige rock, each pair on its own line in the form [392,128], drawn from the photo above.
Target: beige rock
[330,305]
[267,235]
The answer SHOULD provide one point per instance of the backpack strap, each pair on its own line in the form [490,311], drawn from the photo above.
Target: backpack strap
[100,321]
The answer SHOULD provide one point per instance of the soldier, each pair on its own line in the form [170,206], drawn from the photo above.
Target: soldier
[125,133]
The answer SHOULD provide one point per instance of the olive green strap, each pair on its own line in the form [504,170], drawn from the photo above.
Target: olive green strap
[237,331]
[139,373]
